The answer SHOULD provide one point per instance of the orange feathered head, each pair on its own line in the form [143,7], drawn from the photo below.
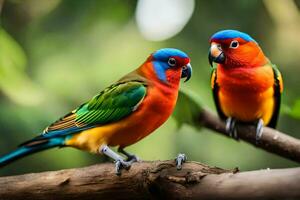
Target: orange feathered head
[233,49]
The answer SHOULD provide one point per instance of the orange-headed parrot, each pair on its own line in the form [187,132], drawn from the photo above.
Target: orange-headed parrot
[246,86]
[121,114]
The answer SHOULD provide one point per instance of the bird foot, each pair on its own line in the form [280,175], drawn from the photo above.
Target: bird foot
[259,131]
[231,129]
[121,164]
[180,159]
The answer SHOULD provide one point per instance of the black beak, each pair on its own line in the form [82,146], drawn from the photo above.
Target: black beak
[215,55]
[186,72]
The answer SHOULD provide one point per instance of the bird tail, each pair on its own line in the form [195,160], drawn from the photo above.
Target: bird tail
[30,147]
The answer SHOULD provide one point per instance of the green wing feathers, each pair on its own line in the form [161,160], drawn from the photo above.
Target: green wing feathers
[112,104]
[278,78]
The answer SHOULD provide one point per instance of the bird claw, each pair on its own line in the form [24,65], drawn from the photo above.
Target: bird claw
[259,131]
[231,129]
[180,159]
[121,164]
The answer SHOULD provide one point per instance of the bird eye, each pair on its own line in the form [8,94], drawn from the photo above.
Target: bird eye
[234,44]
[172,62]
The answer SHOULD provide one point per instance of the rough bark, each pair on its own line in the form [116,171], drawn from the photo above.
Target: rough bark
[153,180]
[272,140]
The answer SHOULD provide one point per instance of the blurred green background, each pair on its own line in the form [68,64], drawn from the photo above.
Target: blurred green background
[56,54]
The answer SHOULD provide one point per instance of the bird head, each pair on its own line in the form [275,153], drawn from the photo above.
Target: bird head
[170,65]
[233,49]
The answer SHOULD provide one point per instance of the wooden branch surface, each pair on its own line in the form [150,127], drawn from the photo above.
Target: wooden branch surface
[272,140]
[153,180]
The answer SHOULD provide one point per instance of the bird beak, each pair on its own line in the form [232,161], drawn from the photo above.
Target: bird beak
[186,72]
[216,54]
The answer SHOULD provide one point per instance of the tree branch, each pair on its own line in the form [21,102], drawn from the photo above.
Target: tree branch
[272,140]
[153,180]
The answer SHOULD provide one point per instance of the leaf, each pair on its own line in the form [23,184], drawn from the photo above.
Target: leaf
[187,109]
[295,110]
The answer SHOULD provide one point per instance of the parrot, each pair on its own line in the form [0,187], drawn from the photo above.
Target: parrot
[120,115]
[246,86]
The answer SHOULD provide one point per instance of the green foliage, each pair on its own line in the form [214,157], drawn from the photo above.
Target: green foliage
[295,110]
[187,109]
[13,80]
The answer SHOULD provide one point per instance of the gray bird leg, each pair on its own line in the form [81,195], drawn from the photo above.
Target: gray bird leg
[119,161]
[130,157]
